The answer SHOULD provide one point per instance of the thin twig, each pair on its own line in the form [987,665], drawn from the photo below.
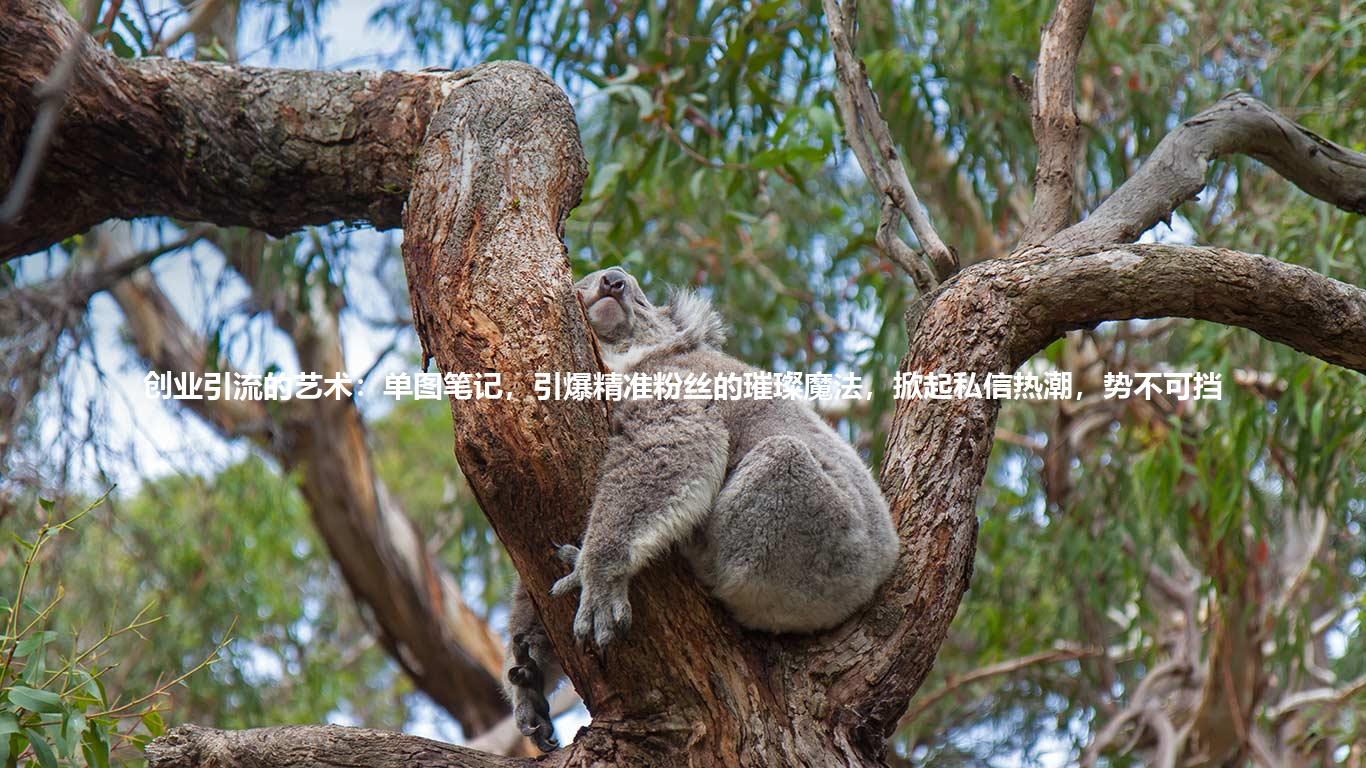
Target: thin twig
[107,21]
[202,17]
[859,110]
[954,682]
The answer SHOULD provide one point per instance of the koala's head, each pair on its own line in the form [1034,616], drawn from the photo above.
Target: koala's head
[629,327]
[620,314]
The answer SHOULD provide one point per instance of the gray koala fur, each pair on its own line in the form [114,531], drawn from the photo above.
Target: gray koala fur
[775,512]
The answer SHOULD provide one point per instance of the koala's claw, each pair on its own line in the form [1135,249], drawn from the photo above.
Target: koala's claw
[533,720]
[566,585]
[544,737]
[568,553]
[521,676]
[531,709]
[602,617]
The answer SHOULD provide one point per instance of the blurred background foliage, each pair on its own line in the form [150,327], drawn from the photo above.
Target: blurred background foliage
[717,161]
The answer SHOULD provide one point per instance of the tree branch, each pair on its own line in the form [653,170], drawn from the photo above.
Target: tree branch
[499,168]
[937,450]
[1009,666]
[50,95]
[312,746]
[200,19]
[446,649]
[1176,170]
[859,110]
[1287,303]
[268,148]
[491,291]
[1332,697]
[1057,131]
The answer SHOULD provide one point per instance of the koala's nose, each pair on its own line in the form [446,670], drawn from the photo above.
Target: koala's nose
[614,283]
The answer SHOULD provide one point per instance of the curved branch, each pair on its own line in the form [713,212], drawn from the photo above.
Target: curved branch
[271,149]
[1057,131]
[1175,172]
[990,318]
[1293,305]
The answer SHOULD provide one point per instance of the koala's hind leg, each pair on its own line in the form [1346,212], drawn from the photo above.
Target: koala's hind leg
[530,671]
[789,547]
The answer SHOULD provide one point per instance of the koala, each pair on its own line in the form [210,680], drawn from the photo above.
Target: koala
[775,512]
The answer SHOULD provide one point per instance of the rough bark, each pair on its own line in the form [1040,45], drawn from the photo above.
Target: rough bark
[720,696]
[312,746]
[1057,131]
[271,149]
[499,168]
[991,318]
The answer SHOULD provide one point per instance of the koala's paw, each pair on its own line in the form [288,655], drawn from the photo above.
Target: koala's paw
[569,554]
[533,720]
[530,707]
[604,615]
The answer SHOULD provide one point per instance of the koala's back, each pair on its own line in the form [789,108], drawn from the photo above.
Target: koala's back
[799,535]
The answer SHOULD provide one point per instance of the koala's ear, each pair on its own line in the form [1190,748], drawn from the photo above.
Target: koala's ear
[696,318]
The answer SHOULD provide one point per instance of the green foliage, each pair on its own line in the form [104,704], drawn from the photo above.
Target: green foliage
[231,554]
[236,552]
[55,708]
